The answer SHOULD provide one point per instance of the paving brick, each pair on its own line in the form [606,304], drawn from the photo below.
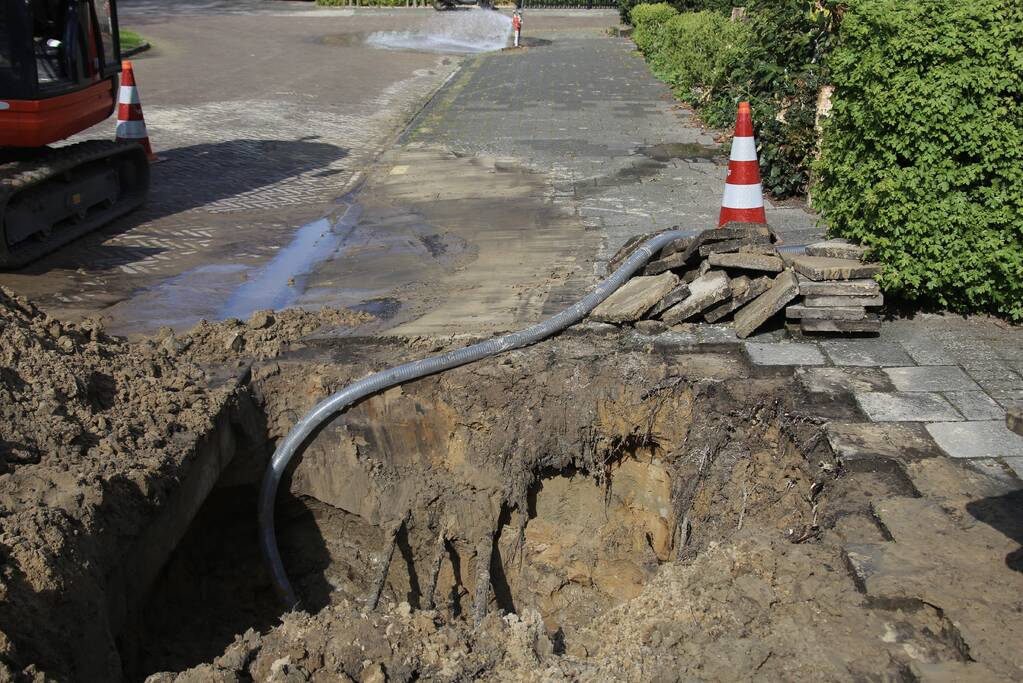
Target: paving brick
[747,261]
[836,248]
[634,298]
[931,378]
[677,294]
[784,354]
[987,439]
[906,407]
[800,312]
[704,292]
[870,323]
[829,301]
[783,290]
[744,290]
[726,246]
[859,287]
[1016,465]
[867,441]
[975,405]
[846,380]
[866,352]
[824,268]
[925,351]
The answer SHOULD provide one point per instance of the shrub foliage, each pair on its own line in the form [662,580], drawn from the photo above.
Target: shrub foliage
[922,157]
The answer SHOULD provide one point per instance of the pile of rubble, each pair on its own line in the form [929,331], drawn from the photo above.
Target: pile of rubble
[738,272]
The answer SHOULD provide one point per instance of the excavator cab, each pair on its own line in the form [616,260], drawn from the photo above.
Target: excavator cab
[59,63]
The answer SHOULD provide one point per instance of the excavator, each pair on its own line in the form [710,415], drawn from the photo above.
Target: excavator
[59,66]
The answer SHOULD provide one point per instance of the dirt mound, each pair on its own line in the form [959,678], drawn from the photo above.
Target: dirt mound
[96,434]
[265,335]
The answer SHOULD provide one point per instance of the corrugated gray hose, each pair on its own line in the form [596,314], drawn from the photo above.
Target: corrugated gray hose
[379,381]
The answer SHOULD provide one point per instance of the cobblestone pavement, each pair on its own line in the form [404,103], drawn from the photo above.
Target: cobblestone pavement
[944,377]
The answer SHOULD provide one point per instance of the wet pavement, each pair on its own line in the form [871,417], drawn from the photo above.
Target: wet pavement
[260,133]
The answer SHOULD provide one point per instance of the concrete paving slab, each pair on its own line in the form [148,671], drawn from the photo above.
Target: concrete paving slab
[982,439]
[866,353]
[861,287]
[975,405]
[824,268]
[931,378]
[825,380]
[906,407]
[634,298]
[1016,465]
[784,354]
[863,442]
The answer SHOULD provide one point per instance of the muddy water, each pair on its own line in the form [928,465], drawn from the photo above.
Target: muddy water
[459,32]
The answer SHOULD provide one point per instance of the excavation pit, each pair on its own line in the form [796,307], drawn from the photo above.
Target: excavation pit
[565,475]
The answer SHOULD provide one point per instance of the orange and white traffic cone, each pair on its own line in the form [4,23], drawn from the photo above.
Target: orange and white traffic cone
[131,125]
[744,198]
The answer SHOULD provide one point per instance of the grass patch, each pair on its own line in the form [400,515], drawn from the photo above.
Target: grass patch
[130,40]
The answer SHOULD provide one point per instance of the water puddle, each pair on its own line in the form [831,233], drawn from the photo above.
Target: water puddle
[279,283]
[680,150]
[465,32]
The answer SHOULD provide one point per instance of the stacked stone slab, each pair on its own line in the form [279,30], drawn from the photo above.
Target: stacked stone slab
[732,271]
[736,272]
[838,289]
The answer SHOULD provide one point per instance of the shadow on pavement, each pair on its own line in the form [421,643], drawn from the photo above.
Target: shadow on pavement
[1004,513]
[225,175]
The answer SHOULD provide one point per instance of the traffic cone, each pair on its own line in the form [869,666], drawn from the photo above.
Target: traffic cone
[131,125]
[744,198]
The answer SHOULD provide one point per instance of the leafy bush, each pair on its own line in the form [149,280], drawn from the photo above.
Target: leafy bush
[649,21]
[696,52]
[922,157]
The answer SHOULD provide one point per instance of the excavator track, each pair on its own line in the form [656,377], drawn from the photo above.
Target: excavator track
[63,193]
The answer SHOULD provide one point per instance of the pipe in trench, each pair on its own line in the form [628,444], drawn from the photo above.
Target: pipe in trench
[384,379]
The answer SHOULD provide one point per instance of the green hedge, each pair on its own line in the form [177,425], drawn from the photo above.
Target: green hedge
[922,157]
[649,20]
[696,53]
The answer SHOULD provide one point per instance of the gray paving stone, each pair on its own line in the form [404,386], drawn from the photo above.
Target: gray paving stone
[975,405]
[866,353]
[931,378]
[870,323]
[757,312]
[926,351]
[747,261]
[836,248]
[634,298]
[829,301]
[1016,465]
[784,354]
[906,407]
[704,292]
[824,268]
[846,380]
[798,312]
[987,439]
[861,287]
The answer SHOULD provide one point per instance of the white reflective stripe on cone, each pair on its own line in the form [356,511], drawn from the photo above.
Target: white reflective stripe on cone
[743,196]
[744,149]
[129,95]
[131,130]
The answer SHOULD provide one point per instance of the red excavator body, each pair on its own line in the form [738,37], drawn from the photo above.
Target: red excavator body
[59,64]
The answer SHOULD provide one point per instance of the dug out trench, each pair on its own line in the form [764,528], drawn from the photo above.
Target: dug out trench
[557,482]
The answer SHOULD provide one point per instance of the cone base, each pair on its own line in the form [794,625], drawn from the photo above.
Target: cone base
[756,215]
